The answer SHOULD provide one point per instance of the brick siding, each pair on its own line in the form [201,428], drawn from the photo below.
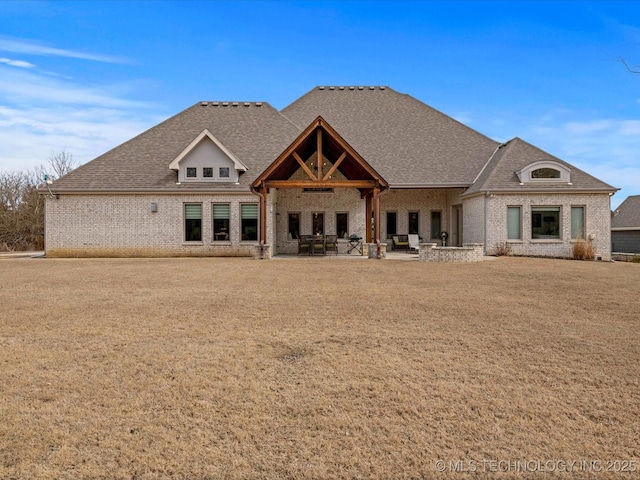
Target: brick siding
[597,223]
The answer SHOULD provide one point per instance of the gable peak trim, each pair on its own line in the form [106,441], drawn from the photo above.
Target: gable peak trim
[175,163]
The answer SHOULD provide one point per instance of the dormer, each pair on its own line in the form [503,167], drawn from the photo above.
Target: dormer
[205,160]
[544,172]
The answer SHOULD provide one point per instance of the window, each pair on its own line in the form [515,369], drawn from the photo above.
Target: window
[545,173]
[545,223]
[436,224]
[223,172]
[342,225]
[220,221]
[207,172]
[193,222]
[317,219]
[392,224]
[192,172]
[514,231]
[577,222]
[413,223]
[294,226]
[249,221]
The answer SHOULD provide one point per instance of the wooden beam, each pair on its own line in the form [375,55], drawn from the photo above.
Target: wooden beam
[319,130]
[376,215]
[368,210]
[335,166]
[320,184]
[304,167]
[262,218]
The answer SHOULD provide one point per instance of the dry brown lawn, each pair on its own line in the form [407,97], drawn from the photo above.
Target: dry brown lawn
[318,368]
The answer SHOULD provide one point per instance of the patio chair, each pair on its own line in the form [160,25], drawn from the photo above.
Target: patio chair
[400,242]
[331,243]
[414,243]
[304,245]
[317,245]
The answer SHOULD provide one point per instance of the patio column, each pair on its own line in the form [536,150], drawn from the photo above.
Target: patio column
[262,216]
[368,202]
[376,215]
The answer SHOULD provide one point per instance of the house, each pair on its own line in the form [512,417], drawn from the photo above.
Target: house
[625,226]
[242,178]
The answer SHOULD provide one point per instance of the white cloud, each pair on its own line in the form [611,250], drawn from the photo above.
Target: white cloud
[16,63]
[20,86]
[28,136]
[35,48]
[40,114]
[604,148]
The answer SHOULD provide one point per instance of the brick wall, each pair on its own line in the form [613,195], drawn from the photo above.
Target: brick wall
[124,225]
[294,200]
[473,220]
[469,252]
[597,223]
[424,201]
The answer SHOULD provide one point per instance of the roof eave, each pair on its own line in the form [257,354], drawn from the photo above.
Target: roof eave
[153,191]
[486,191]
[398,186]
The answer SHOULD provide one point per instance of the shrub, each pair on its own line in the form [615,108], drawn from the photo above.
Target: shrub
[501,249]
[583,250]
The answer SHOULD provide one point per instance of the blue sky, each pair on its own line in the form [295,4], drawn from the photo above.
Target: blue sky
[86,76]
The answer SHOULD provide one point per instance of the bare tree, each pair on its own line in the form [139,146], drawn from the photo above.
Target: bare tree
[21,211]
[22,205]
[60,163]
[634,69]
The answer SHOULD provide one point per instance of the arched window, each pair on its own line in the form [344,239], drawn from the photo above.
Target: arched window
[545,173]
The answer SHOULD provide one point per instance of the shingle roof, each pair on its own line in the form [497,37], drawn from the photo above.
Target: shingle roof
[255,132]
[405,140]
[500,171]
[627,215]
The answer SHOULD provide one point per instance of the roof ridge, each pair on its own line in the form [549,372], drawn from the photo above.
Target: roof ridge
[508,145]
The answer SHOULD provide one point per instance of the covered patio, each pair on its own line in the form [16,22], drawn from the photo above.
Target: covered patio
[320,186]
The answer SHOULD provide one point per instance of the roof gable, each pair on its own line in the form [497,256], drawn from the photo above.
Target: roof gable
[206,134]
[332,154]
[516,158]
[253,132]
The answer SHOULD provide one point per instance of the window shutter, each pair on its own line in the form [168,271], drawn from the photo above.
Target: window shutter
[193,212]
[249,211]
[221,211]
